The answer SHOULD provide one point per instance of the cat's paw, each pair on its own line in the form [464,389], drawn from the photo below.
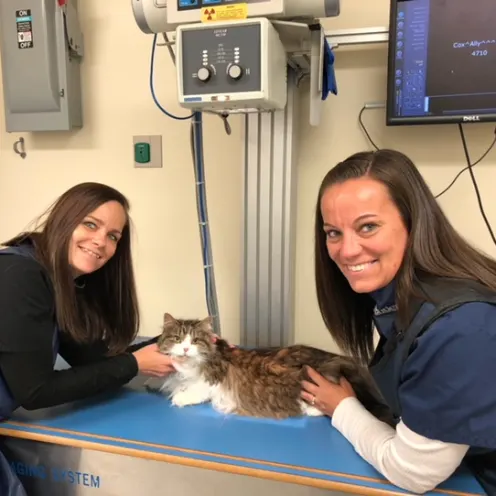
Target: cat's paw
[313,412]
[187,397]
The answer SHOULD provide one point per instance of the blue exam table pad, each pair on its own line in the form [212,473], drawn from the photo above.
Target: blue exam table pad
[136,422]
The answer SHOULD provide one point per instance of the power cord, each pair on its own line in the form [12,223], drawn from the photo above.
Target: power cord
[482,157]
[371,106]
[223,115]
[477,192]
[368,106]
[196,142]
[152,88]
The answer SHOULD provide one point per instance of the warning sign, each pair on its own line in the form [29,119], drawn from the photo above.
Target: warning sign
[232,12]
[208,15]
[24,23]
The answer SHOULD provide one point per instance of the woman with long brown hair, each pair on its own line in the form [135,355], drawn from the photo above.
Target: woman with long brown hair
[68,289]
[387,256]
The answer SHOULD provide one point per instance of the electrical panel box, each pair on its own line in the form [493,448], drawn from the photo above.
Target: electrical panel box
[233,65]
[41,47]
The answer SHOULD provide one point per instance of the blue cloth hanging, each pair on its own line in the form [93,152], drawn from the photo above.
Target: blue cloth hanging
[329,84]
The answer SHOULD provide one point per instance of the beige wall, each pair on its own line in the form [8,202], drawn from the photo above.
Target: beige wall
[118,105]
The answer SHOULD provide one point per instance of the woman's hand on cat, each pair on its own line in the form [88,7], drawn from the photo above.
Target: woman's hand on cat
[153,363]
[325,395]
[215,338]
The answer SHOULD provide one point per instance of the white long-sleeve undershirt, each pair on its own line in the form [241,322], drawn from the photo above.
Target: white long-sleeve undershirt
[407,459]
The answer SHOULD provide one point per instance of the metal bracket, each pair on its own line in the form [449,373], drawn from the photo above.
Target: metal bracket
[304,43]
[362,36]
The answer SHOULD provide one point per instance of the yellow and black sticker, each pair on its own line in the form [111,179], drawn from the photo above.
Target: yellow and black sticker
[233,12]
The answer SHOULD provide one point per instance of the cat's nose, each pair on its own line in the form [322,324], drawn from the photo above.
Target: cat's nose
[186,350]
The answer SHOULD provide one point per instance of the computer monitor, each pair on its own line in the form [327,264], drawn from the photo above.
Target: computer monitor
[441,62]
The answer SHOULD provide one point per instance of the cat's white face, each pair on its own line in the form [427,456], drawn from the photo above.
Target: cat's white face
[186,340]
[187,348]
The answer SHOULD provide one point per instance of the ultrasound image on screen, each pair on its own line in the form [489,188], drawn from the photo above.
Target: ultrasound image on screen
[449,71]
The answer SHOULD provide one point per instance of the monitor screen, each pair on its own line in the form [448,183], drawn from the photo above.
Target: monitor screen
[442,61]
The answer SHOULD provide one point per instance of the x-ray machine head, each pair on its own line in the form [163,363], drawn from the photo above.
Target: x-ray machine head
[234,56]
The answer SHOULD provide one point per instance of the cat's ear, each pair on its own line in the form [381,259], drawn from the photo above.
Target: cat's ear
[169,319]
[207,324]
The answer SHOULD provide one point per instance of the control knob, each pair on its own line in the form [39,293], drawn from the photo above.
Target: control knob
[235,71]
[204,74]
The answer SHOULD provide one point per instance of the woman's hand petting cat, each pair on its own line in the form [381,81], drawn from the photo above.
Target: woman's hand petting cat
[325,395]
[153,363]
[215,338]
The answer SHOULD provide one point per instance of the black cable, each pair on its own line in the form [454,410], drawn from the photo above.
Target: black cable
[474,181]
[482,157]
[362,125]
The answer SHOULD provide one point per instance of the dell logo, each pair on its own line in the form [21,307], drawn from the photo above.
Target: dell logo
[471,118]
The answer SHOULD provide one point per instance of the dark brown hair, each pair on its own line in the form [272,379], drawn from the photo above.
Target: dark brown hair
[107,308]
[434,249]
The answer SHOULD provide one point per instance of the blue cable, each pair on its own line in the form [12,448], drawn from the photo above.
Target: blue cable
[208,272]
[152,65]
[211,296]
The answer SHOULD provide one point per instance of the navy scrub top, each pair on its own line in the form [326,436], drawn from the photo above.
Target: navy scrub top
[448,386]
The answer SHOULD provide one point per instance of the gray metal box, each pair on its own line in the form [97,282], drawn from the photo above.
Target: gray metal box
[231,65]
[41,46]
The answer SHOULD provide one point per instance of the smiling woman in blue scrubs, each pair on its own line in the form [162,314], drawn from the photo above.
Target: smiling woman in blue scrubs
[387,256]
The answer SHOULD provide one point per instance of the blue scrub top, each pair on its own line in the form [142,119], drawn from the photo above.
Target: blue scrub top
[448,389]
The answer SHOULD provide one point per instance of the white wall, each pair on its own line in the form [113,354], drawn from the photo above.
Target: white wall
[118,105]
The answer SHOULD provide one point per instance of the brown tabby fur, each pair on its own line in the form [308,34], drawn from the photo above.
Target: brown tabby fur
[266,382]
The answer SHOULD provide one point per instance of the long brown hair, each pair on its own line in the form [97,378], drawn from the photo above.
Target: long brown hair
[107,307]
[434,249]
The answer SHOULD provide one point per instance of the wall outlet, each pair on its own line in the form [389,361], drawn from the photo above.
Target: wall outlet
[147,152]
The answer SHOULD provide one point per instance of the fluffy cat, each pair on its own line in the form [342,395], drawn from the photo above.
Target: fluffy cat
[252,382]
